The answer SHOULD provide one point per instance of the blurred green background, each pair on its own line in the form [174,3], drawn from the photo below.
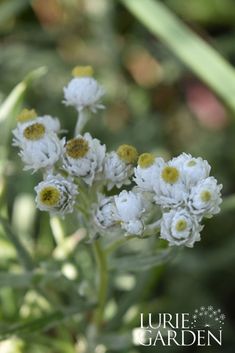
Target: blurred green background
[154,102]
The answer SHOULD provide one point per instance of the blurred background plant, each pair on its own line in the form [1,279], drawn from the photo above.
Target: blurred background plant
[155,102]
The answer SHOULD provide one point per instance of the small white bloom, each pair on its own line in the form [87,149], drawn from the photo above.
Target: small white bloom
[39,147]
[130,207]
[106,213]
[192,169]
[46,123]
[84,92]
[147,172]
[179,227]
[56,195]
[205,197]
[118,166]
[170,190]
[116,171]
[83,157]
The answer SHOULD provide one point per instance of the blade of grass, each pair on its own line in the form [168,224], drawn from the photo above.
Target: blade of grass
[194,52]
[45,322]
[16,94]
[12,104]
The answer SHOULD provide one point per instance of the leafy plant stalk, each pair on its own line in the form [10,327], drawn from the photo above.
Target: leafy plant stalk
[101,261]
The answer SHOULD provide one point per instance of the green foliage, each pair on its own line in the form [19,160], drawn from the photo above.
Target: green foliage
[49,277]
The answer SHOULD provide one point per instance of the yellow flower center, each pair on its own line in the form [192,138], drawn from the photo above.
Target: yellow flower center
[127,153]
[83,71]
[181,225]
[49,196]
[205,196]
[34,131]
[26,115]
[145,160]
[170,175]
[77,148]
[191,163]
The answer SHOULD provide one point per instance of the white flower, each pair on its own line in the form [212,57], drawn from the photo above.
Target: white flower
[179,227]
[106,213]
[192,169]
[83,157]
[84,91]
[23,130]
[205,198]
[56,195]
[130,207]
[118,166]
[148,171]
[116,171]
[170,190]
[39,146]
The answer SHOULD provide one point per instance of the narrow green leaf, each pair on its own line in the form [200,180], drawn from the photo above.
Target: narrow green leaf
[143,262]
[194,52]
[17,93]
[43,323]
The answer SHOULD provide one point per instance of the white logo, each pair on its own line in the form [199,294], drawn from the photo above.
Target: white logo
[202,328]
[207,317]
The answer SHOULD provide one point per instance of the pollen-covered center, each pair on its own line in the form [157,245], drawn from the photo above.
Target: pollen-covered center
[145,160]
[83,71]
[77,148]
[170,175]
[49,196]
[127,153]
[181,225]
[34,132]
[191,163]
[205,196]
[26,115]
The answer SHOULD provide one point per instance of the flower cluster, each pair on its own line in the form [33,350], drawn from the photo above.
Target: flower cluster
[148,193]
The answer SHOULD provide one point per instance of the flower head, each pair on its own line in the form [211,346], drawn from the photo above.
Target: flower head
[36,137]
[26,114]
[56,195]
[147,172]
[130,207]
[127,153]
[118,166]
[170,191]
[83,91]
[106,213]
[179,227]
[205,197]
[83,157]
[32,127]
[192,169]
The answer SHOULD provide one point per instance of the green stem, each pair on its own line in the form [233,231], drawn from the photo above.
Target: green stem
[23,254]
[101,261]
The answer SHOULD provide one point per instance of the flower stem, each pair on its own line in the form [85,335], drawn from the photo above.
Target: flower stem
[101,261]
[81,122]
